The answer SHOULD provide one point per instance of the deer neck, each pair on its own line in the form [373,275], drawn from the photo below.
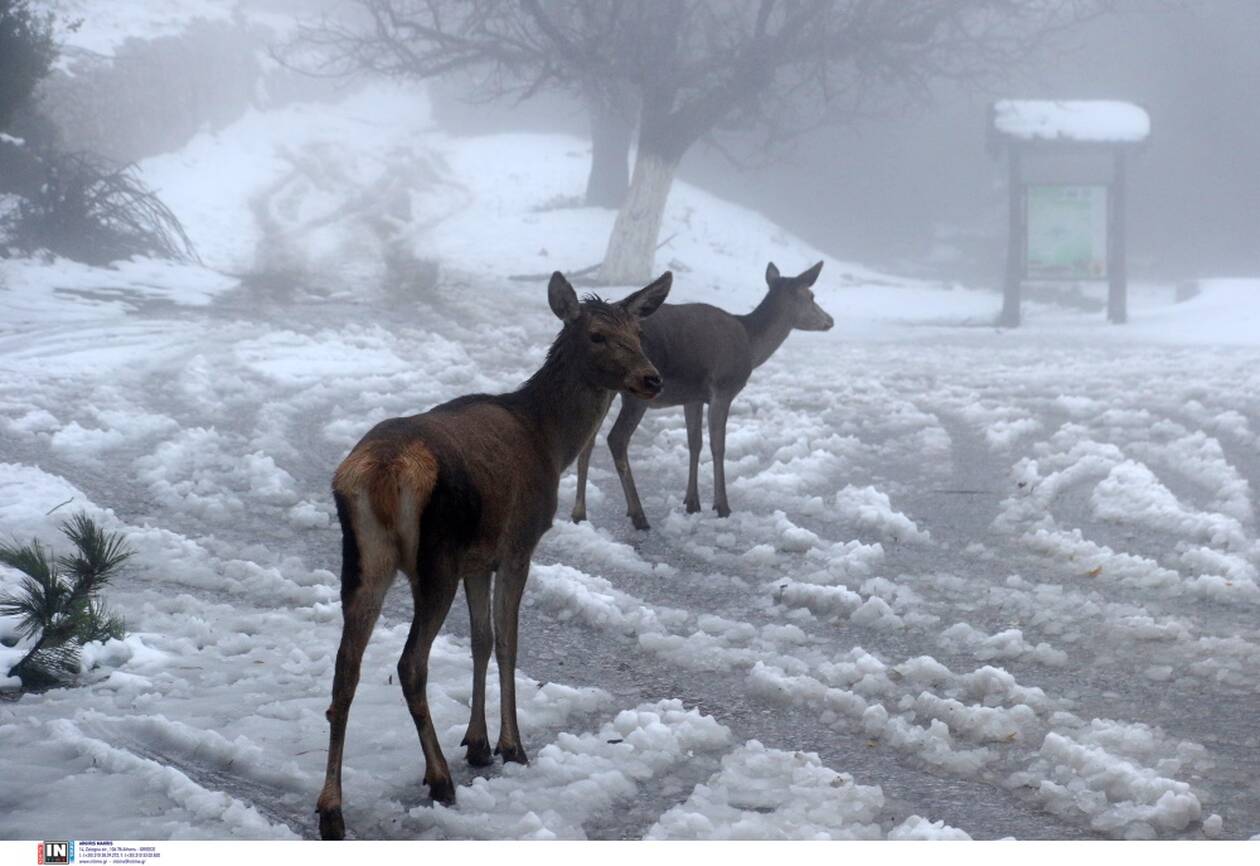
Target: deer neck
[767,326]
[563,409]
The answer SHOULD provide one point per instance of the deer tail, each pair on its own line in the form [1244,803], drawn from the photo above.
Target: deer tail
[393,479]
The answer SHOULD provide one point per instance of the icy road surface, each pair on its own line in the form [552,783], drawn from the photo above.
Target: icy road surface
[981,583]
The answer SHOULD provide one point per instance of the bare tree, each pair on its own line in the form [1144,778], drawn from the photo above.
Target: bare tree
[501,45]
[781,68]
[695,68]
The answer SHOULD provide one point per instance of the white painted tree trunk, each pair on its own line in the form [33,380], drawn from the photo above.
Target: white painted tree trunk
[632,246]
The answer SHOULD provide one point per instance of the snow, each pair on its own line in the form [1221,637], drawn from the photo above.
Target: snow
[1116,792]
[1099,120]
[319,202]
[977,583]
[34,290]
[765,793]
[870,508]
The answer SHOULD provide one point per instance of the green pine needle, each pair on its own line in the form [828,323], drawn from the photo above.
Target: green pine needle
[43,594]
[33,559]
[99,553]
[99,623]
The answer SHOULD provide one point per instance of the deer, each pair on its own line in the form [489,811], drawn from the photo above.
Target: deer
[464,492]
[705,355]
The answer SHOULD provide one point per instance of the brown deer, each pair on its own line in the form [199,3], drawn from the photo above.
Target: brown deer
[706,355]
[462,492]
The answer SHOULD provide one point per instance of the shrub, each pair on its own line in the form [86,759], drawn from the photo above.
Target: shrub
[73,204]
[56,603]
[79,206]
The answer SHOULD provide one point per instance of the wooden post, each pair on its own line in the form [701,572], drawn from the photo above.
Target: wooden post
[1016,243]
[1117,270]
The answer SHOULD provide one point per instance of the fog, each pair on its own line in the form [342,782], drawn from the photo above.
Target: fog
[792,494]
[1195,187]
[919,190]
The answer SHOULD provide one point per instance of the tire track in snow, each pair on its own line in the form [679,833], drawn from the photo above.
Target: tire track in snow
[205,802]
[570,651]
[979,521]
[727,693]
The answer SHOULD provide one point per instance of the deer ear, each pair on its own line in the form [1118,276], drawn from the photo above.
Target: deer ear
[810,276]
[645,301]
[563,300]
[772,274]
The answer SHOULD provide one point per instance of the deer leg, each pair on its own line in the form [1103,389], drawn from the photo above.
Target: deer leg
[361,606]
[719,408]
[509,584]
[583,464]
[695,440]
[477,589]
[619,444]
[432,589]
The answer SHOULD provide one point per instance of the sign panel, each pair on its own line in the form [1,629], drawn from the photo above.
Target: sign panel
[1067,232]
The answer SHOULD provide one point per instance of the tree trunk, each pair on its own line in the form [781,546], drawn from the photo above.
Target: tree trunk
[1117,267]
[1016,242]
[632,246]
[612,129]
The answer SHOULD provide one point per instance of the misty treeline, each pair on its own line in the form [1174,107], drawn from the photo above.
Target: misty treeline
[658,76]
[55,196]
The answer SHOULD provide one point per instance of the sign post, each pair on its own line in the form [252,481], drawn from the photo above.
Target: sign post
[1117,283]
[1015,246]
[1067,200]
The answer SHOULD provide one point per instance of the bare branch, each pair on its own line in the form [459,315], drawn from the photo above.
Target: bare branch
[700,67]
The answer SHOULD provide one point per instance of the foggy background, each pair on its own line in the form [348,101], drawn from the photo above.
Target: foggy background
[920,194]
[1005,580]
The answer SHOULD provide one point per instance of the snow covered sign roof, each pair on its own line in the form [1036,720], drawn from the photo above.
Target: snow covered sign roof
[1098,121]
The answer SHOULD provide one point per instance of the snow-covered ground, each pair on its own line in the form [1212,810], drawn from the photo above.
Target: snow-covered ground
[977,582]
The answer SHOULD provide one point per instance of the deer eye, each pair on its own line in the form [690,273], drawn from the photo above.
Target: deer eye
[598,338]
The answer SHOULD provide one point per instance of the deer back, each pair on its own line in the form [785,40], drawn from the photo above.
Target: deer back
[698,348]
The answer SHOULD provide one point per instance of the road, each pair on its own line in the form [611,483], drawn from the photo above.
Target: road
[1009,579]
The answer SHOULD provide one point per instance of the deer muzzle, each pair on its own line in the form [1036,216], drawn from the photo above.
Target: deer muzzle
[645,385]
[819,320]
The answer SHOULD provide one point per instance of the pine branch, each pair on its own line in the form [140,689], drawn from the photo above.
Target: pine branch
[100,554]
[29,559]
[64,613]
[43,592]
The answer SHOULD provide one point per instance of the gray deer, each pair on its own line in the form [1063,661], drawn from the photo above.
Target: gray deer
[462,492]
[706,355]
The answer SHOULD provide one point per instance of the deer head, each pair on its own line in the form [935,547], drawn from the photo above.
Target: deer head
[797,294]
[604,337]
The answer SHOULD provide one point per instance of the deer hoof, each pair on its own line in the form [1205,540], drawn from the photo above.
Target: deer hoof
[578,516]
[331,826]
[722,510]
[442,791]
[640,522]
[478,754]
[692,505]
[514,754]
